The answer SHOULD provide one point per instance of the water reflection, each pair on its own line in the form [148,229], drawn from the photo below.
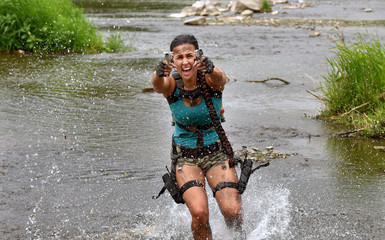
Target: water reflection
[356,159]
[359,171]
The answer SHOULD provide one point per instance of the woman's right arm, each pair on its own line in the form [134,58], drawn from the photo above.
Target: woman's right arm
[162,81]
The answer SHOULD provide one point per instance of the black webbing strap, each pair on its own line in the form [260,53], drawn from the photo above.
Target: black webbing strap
[190,184]
[160,193]
[198,130]
[225,185]
[191,94]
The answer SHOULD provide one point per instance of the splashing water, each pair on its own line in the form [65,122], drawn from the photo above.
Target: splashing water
[269,214]
[266,216]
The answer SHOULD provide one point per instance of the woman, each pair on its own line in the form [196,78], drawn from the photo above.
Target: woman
[198,152]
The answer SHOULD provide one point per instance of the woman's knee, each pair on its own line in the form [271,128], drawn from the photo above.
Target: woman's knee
[200,215]
[230,205]
[232,210]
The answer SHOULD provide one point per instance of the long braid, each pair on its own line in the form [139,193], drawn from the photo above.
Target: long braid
[215,119]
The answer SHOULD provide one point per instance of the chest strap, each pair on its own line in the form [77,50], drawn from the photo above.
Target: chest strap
[190,94]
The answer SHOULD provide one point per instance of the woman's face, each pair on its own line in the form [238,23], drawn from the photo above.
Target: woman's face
[184,59]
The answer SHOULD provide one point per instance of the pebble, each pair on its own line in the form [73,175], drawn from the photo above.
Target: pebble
[259,156]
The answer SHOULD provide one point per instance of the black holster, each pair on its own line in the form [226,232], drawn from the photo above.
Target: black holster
[172,187]
[246,171]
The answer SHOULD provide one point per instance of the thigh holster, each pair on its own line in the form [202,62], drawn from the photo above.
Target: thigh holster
[172,187]
[246,171]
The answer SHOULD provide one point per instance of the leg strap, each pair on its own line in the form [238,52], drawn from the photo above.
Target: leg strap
[225,185]
[187,185]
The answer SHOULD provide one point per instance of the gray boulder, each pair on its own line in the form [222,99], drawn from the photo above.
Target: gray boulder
[241,5]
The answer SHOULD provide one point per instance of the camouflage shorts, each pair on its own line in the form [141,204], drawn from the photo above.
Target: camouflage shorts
[205,162]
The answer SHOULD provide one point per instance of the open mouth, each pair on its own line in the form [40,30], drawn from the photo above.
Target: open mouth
[186,71]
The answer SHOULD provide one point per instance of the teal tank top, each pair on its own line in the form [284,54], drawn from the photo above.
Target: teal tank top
[192,116]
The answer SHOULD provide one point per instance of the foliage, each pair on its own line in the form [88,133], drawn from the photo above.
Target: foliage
[266,7]
[354,87]
[46,26]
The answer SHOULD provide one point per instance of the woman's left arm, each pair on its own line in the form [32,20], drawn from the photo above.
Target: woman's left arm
[216,78]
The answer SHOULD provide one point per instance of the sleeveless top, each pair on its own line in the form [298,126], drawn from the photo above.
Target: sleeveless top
[193,116]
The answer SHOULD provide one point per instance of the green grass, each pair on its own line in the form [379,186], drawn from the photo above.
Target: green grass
[51,26]
[266,7]
[354,88]
[115,43]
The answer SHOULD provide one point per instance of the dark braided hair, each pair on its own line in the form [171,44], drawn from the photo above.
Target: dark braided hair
[215,119]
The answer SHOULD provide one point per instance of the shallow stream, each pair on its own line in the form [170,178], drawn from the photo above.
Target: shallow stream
[82,149]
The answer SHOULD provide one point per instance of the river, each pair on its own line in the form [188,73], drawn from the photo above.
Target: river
[82,149]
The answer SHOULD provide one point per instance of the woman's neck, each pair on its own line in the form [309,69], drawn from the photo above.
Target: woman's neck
[190,84]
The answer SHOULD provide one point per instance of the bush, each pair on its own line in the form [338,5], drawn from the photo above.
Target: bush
[46,26]
[354,88]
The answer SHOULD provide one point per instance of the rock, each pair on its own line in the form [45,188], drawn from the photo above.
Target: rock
[275,13]
[199,5]
[210,10]
[290,6]
[203,8]
[247,13]
[242,5]
[269,148]
[280,2]
[368,10]
[380,148]
[226,20]
[306,4]
[314,34]
[258,156]
[190,11]
[198,21]
[177,15]
[224,8]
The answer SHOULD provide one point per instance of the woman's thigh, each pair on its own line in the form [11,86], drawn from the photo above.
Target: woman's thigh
[227,197]
[195,197]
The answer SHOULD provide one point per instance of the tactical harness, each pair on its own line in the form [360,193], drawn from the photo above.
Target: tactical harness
[200,151]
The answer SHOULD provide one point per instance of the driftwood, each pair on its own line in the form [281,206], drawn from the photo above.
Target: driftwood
[355,108]
[147,89]
[349,132]
[268,79]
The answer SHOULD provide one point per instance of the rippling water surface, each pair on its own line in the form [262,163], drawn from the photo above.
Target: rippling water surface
[82,149]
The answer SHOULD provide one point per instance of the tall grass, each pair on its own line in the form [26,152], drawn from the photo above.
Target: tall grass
[354,86]
[46,26]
